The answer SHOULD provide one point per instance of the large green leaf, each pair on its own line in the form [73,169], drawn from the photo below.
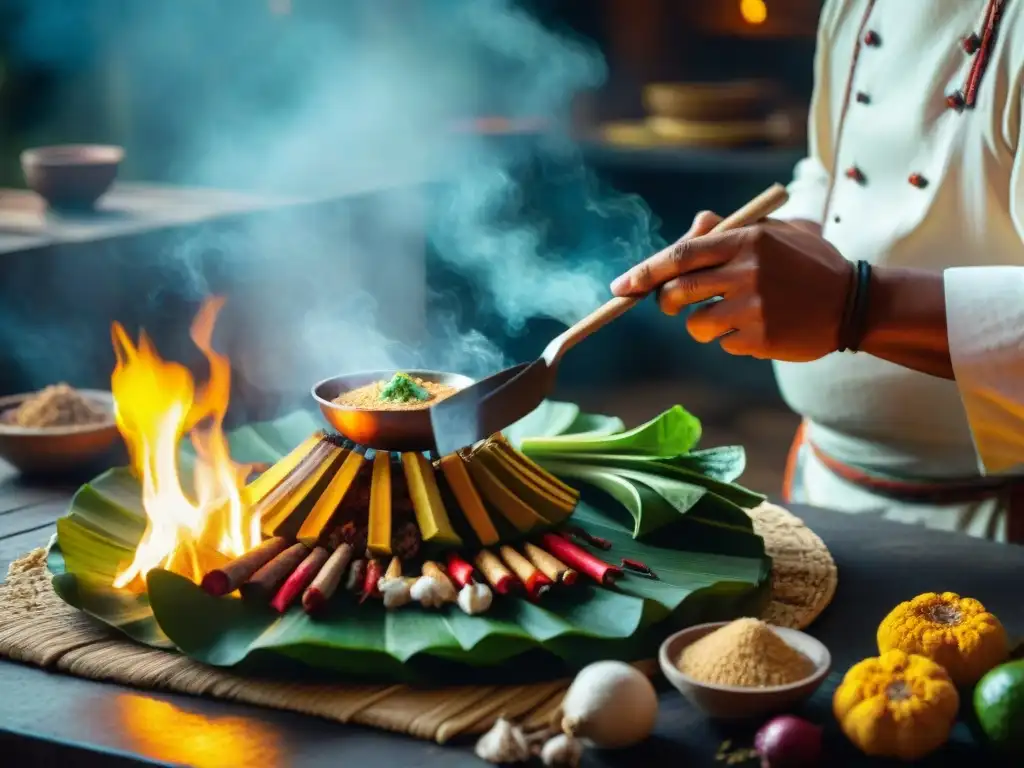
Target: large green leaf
[552,418]
[724,464]
[367,640]
[673,432]
[709,562]
[655,469]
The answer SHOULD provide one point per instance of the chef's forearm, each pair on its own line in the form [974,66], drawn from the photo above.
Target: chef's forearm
[906,322]
[814,227]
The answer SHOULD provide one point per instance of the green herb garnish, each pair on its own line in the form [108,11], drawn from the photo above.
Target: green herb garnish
[402,389]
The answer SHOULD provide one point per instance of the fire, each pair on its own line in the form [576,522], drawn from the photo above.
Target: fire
[156,404]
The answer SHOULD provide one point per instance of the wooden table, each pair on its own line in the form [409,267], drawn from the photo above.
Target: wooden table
[47,719]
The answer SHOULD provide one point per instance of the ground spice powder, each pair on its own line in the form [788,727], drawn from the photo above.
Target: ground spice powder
[56,406]
[367,397]
[745,653]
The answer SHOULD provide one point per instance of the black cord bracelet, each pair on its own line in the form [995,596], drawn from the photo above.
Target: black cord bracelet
[855,316]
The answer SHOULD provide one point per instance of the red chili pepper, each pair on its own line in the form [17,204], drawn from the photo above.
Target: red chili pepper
[579,559]
[460,571]
[635,565]
[594,541]
[370,580]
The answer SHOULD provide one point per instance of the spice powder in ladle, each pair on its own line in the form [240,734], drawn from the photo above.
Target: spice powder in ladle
[401,393]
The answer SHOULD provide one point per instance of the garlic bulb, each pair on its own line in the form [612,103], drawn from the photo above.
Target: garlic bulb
[475,598]
[396,592]
[561,750]
[429,592]
[504,743]
[610,704]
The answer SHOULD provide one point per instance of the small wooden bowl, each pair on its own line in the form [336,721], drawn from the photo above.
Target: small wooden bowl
[71,176]
[58,450]
[727,702]
[742,100]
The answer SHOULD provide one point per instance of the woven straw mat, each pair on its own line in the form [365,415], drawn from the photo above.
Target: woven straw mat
[36,627]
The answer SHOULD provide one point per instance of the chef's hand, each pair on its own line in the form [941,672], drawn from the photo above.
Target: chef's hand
[783,287]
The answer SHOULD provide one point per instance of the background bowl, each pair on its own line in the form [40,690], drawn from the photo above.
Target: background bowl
[58,450]
[407,430]
[743,100]
[71,176]
[726,702]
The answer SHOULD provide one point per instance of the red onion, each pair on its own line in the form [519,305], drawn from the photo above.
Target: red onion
[788,742]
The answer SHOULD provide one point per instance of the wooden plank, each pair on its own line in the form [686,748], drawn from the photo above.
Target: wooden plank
[17,492]
[31,518]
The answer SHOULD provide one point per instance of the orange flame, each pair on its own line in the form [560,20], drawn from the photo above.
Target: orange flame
[156,404]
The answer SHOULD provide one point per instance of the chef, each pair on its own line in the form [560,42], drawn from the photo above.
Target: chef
[889,290]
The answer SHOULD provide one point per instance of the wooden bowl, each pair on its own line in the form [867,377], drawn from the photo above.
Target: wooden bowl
[727,702]
[58,450]
[692,133]
[71,176]
[716,102]
[404,430]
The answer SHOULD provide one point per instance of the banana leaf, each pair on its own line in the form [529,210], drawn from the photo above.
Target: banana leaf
[710,565]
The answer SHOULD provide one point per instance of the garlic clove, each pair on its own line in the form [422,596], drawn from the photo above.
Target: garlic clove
[395,592]
[475,598]
[561,750]
[428,592]
[503,743]
[610,704]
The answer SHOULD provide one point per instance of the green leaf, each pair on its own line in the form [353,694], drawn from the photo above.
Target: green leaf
[710,565]
[251,443]
[674,432]
[594,425]
[569,626]
[549,418]
[552,418]
[652,504]
[91,592]
[125,611]
[725,464]
[673,467]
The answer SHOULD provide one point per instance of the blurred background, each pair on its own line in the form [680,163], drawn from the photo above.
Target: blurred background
[394,182]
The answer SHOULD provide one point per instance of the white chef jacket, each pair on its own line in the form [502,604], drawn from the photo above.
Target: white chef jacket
[896,176]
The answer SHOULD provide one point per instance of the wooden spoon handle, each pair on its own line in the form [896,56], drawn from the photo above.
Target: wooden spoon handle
[758,208]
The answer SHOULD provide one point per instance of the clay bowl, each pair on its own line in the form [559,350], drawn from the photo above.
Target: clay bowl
[58,450]
[726,702]
[407,430]
[71,176]
[715,102]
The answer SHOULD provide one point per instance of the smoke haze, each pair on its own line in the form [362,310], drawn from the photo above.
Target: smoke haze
[337,97]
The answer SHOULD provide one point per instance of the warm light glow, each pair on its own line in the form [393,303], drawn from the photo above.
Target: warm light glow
[174,736]
[156,404]
[754,11]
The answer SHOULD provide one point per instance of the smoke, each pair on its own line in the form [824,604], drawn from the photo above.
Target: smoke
[349,99]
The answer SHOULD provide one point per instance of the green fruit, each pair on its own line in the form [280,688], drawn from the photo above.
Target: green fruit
[999,705]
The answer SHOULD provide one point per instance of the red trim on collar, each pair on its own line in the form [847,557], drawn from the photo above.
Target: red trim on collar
[993,16]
